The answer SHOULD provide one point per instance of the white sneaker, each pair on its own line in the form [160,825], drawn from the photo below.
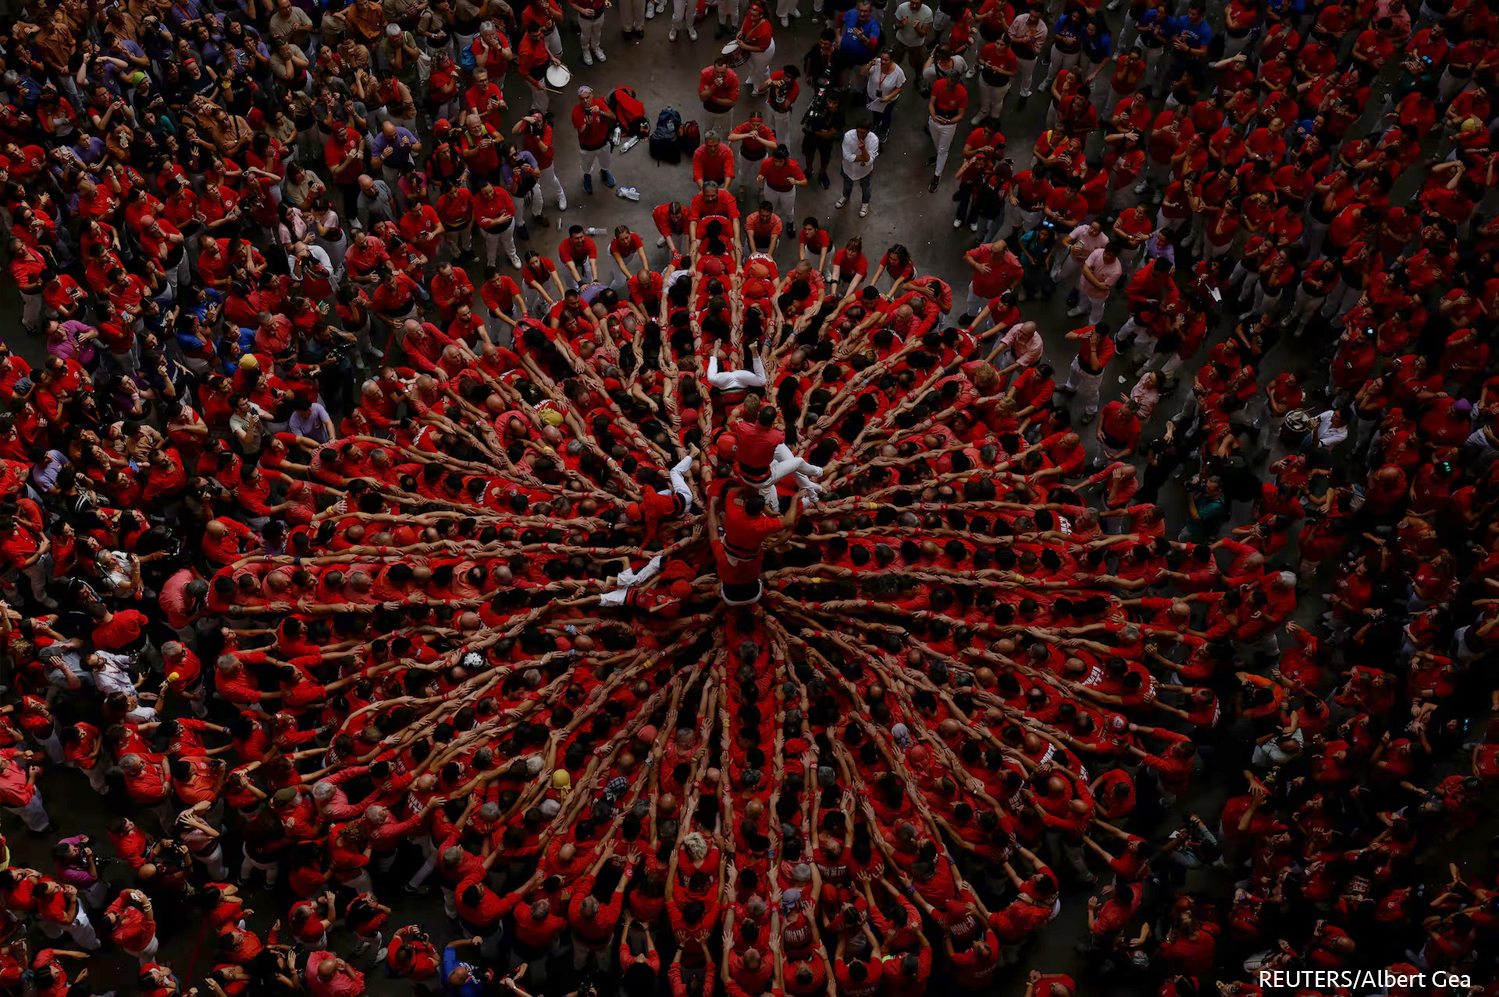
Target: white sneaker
[671,35]
[1026,93]
[1141,187]
[515,262]
[561,202]
[957,223]
[863,209]
[661,242]
[650,11]
[796,12]
[598,54]
[587,58]
[785,21]
[976,119]
[840,202]
[691,33]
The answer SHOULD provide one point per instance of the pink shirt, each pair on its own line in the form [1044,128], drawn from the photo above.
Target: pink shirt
[1026,346]
[1107,273]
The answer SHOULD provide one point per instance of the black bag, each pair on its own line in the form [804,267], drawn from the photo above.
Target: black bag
[666,138]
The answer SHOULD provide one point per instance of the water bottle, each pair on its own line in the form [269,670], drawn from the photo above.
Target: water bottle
[595,230]
[630,143]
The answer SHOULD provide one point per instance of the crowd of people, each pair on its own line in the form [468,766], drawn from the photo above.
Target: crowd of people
[711,613]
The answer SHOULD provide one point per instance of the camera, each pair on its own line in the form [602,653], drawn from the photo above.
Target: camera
[817,111]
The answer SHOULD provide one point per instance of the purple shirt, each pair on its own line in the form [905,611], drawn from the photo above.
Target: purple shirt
[74,875]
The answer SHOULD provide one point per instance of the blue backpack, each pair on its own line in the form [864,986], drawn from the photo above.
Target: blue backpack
[666,137]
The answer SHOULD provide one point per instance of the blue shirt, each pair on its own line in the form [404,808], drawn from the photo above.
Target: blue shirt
[400,154]
[850,44]
[1096,47]
[472,987]
[1066,27]
[1154,18]
[1201,33]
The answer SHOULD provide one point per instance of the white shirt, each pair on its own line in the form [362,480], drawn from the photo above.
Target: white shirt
[851,166]
[112,677]
[1325,433]
[319,256]
[880,85]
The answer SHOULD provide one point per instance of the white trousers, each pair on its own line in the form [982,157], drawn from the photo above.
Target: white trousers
[733,380]
[81,930]
[541,98]
[272,870]
[496,241]
[1092,303]
[33,814]
[780,123]
[942,136]
[601,156]
[786,463]
[592,32]
[783,203]
[991,99]
[1086,385]
[757,71]
[147,954]
[549,182]
[585,269]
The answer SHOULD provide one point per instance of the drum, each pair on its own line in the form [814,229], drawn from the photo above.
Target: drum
[736,55]
[558,77]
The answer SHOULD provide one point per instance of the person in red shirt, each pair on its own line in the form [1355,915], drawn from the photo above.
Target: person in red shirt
[995,271]
[494,217]
[594,124]
[780,176]
[945,109]
[672,221]
[762,230]
[579,256]
[713,160]
[130,923]
[506,305]
[1118,431]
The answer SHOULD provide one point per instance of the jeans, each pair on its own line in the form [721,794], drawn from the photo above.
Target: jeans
[848,186]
